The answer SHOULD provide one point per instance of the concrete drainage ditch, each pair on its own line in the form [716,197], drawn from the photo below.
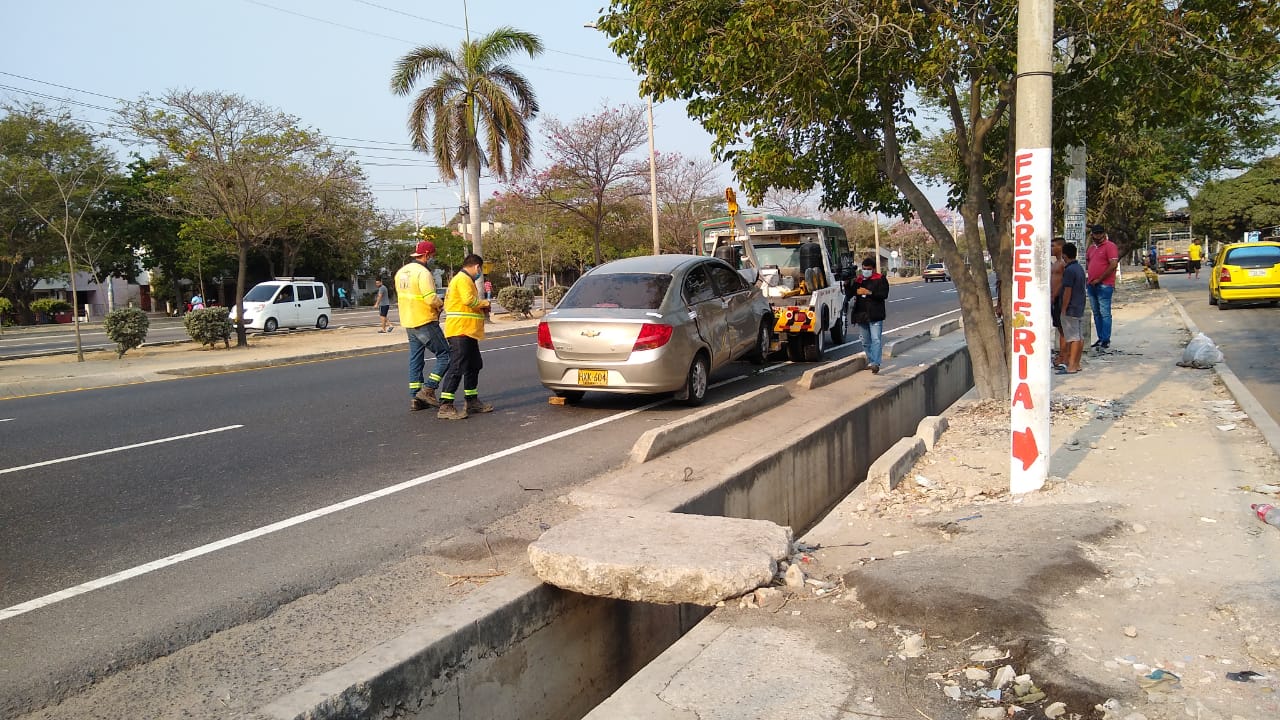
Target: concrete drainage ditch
[519,648]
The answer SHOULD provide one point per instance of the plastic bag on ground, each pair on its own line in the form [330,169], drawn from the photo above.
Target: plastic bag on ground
[1201,352]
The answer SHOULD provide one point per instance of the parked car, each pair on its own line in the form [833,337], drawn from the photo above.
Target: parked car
[652,324]
[1245,272]
[935,271]
[285,302]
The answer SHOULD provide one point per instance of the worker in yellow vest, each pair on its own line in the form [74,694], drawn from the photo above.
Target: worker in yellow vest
[464,315]
[420,317]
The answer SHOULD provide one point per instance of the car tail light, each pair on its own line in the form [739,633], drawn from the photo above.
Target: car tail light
[652,336]
[544,336]
[1224,275]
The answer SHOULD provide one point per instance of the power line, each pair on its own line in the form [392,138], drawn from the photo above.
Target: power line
[458,27]
[412,43]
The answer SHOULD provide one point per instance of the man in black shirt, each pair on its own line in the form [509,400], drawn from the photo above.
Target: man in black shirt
[868,290]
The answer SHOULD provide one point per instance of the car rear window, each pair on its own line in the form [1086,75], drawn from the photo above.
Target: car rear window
[632,291]
[1263,256]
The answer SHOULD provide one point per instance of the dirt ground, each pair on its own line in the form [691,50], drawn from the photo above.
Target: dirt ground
[1128,588]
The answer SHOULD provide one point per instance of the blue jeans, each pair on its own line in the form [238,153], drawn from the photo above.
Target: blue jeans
[1100,301]
[423,338]
[871,345]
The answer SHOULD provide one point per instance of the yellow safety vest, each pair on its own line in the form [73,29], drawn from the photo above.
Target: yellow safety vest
[462,308]
[416,295]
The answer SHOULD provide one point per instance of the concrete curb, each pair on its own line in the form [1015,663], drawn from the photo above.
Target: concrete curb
[661,440]
[1257,413]
[831,372]
[943,328]
[273,362]
[889,469]
[901,345]
[930,430]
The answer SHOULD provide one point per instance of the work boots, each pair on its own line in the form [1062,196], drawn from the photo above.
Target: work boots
[451,412]
[474,405]
[427,395]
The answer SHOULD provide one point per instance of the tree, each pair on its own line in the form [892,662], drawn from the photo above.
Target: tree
[243,173]
[687,194]
[57,172]
[128,217]
[474,93]
[1226,209]
[592,167]
[799,93]
[29,251]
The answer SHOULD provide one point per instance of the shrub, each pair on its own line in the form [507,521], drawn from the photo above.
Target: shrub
[209,325]
[50,307]
[555,294]
[517,300]
[127,328]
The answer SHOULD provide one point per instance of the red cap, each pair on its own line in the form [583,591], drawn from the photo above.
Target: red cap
[425,247]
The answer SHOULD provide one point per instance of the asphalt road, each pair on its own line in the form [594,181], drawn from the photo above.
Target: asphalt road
[1247,335]
[211,500]
[36,340]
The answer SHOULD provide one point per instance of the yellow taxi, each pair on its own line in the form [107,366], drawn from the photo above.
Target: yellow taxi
[1245,272]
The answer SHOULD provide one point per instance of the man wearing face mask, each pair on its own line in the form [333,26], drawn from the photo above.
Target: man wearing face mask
[464,320]
[420,316]
[869,289]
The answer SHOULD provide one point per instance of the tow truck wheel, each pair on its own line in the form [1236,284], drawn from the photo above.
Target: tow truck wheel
[794,351]
[814,346]
[838,330]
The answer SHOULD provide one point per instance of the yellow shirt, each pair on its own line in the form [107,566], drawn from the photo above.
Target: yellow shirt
[416,295]
[463,308]
[1193,252]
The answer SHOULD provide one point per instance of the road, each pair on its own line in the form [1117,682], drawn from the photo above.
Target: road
[35,340]
[209,501]
[1248,335]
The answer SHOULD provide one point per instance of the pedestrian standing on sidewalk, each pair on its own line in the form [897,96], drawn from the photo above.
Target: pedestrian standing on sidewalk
[1101,260]
[1056,266]
[464,316]
[420,318]
[1072,303]
[869,290]
[1194,255]
[382,299]
[342,297]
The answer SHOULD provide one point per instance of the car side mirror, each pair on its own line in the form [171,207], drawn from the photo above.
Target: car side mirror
[846,264]
[749,274]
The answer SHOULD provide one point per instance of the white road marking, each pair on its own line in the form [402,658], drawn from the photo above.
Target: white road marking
[5,419]
[921,322]
[185,555]
[119,449]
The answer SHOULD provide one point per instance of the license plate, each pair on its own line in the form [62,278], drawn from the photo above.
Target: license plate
[1261,272]
[593,377]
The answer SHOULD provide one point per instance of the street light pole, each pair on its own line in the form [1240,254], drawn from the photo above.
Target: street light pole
[653,182]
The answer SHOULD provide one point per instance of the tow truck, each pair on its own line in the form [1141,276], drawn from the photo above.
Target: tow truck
[796,274]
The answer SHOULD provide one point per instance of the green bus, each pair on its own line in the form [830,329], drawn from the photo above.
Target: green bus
[837,241]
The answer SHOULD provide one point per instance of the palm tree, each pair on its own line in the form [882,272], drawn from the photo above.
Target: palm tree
[474,93]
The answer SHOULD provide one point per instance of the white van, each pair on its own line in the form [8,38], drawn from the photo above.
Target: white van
[290,302]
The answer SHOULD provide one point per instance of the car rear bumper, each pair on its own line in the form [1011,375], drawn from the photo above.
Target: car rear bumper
[1239,293]
[649,371]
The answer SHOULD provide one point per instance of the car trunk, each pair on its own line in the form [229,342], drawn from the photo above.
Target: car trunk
[605,335]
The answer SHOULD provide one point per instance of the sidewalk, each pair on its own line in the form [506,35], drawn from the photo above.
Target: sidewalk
[61,373]
[1140,555]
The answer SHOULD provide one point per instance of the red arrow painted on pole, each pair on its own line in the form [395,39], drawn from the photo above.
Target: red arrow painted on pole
[1024,447]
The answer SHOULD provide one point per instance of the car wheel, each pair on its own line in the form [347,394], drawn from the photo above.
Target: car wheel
[1223,305]
[1212,300]
[764,338]
[270,325]
[322,322]
[839,330]
[695,384]
[814,347]
[570,396]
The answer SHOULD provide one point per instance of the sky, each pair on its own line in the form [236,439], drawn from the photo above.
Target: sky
[327,62]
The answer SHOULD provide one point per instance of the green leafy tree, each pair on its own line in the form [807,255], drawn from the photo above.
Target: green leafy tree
[805,93]
[128,216]
[1226,209]
[243,173]
[475,111]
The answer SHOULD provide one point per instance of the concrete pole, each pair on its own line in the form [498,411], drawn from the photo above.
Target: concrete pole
[1032,234]
[653,182]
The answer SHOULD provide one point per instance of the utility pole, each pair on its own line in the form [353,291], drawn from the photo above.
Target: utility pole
[653,182]
[1032,234]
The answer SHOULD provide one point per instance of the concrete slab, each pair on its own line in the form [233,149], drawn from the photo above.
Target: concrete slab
[930,430]
[901,345]
[661,440]
[660,557]
[889,469]
[830,372]
[943,328]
